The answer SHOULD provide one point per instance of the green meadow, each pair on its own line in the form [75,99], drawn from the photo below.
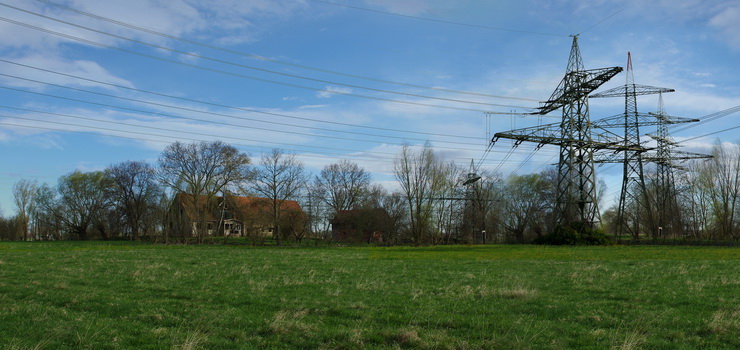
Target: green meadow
[97,295]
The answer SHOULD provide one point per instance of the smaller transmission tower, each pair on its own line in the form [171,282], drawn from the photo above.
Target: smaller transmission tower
[634,193]
[668,217]
[667,209]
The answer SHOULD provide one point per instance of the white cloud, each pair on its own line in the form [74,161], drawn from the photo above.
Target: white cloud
[728,23]
[241,19]
[330,91]
[83,68]
[406,7]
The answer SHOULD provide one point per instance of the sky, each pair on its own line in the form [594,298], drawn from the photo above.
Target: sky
[86,84]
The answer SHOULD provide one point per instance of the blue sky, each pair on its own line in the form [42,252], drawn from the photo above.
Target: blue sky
[98,82]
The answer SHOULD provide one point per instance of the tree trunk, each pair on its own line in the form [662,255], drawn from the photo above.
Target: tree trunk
[81,233]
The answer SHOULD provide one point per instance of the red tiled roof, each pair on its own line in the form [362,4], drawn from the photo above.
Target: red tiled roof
[246,205]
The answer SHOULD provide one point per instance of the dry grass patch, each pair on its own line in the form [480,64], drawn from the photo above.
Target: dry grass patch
[517,293]
[193,340]
[408,337]
[632,337]
[290,322]
[725,322]
[632,340]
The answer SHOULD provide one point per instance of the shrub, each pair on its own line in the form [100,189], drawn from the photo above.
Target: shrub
[574,234]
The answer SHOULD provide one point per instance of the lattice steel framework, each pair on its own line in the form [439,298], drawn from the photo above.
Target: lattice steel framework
[668,218]
[581,147]
[576,197]
[634,201]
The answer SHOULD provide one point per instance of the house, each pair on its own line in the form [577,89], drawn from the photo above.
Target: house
[361,225]
[232,216]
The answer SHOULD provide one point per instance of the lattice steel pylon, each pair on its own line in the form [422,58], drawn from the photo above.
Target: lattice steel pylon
[634,201]
[576,200]
[668,220]
[667,208]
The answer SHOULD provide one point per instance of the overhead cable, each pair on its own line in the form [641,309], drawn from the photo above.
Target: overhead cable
[94,43]
[263,70]
[272,60]
[230,107]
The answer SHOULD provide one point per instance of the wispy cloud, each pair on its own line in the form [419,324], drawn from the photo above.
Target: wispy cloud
[330,91]
[727,22]
[51,63]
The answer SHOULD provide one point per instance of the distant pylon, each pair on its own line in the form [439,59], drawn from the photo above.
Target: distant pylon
[634,201]
[668,218]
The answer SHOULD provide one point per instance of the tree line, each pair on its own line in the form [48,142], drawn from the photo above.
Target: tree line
[434,203]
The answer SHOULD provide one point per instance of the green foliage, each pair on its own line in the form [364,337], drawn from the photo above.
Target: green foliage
[574,234]
[108,295]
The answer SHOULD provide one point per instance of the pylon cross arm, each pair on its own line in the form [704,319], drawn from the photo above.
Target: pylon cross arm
[669,119]
[631,90]
[675,156]
[643,119]
[577,85]
[552,134]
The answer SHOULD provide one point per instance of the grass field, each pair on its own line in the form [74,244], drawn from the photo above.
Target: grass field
[139,296]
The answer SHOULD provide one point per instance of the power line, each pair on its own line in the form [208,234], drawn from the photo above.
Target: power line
[267,59]
[170,130]
[214,70]
[545,163]
[708,118]
[244,66]
[709,134]
[138,53]
[230,107]
[212,59]
[600,22]
[175,138]
[506,157]
[526,160]
[212,121]
[149,127]
[204,112]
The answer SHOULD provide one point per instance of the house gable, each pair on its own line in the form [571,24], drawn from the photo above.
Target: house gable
[234,215]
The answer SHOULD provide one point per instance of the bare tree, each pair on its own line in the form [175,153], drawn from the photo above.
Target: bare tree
[420,180]
[24,197]
[279,177]
[343,185]
[202,170]
[47,223]
[481,198]
[135,193]
[525,202]
[316,209]
[396,207]
[449,177]
[723,170]
[78,200]
[693,185]
[8,227]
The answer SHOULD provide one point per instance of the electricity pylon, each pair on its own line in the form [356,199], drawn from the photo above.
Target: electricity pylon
[634,201]
[667,210]
[576,189]
[664,156]
[668,218]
